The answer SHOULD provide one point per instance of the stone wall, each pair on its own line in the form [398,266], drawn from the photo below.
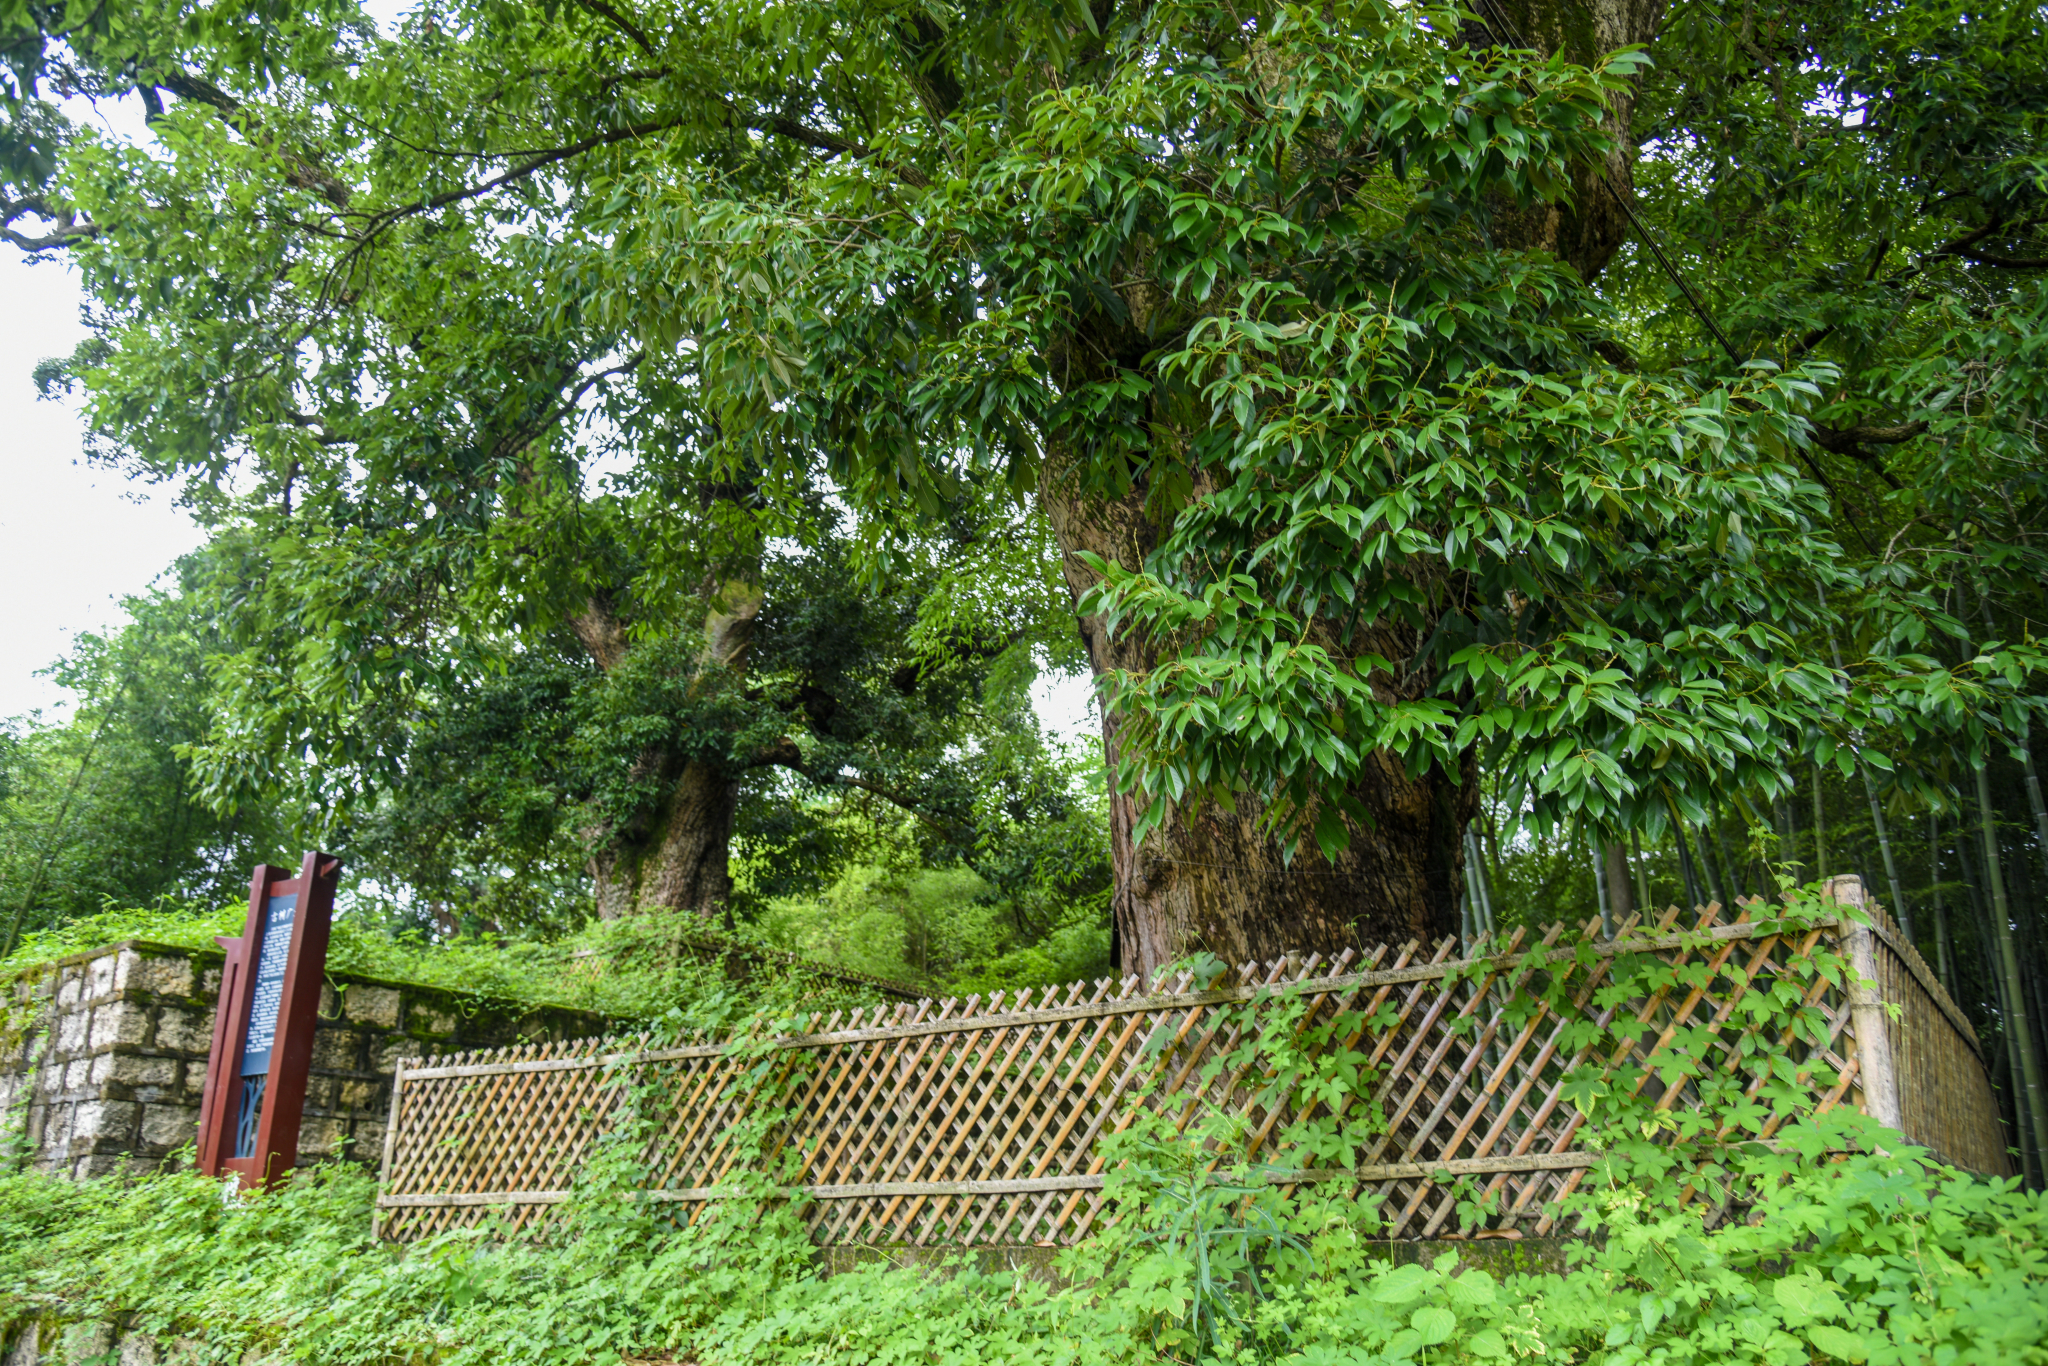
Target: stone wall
[103,1054]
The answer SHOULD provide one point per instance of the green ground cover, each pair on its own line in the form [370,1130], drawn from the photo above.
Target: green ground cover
[629,970]
[1841,1244]
[1870,1258]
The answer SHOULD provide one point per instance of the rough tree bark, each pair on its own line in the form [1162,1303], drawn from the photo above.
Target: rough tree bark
[671,856]
[1212,880]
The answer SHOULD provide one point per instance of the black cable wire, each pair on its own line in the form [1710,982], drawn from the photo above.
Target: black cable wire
[1506,29]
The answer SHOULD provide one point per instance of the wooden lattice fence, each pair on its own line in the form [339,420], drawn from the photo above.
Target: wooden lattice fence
[977,1122]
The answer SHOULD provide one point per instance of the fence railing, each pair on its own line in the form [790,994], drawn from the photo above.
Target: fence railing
[1938,1092]
[978,1122]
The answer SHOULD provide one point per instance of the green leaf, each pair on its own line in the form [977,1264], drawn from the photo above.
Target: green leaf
[1402,1284]
[1839,1343]
[1487,1344]
[1434,1323]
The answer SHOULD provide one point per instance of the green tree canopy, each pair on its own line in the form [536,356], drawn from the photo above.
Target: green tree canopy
[1378,440]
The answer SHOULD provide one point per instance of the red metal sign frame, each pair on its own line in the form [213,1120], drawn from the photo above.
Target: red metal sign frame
[283,1094]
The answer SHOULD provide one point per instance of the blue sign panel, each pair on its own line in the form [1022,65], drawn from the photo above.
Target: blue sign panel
[271,956]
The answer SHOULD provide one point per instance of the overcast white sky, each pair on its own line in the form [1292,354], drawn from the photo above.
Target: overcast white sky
[74,540]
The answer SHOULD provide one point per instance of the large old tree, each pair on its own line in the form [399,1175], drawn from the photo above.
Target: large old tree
[1370,453]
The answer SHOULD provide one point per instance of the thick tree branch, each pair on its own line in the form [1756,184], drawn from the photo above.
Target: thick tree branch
[601,632]
[620,22]
[67,233]
[785,754]
[1881,436]
[786,127]
[321,435]
[1850,441]
[1966,248]
[304,172]
[521,436]
[1986,258]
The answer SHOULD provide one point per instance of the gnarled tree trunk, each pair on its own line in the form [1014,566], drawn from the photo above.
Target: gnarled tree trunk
[676,860]
[1211,880]
[673,855]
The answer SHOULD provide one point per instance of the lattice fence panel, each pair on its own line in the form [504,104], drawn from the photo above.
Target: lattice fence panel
[977,1122]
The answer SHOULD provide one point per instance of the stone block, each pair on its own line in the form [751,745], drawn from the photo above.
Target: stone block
[71,1030]
[99,976]
[138,1349]
[358,1095]
[103,1164]
[320,1136]
[330,1004]
[77,1075]
[25,1350]
[119,1022]
[165,974]
[426,1020]
[336,1050]
[385,1054]
[369,1141]
[320,1093]
[92,1338]
[96,1119]
[133,1069]
[209,982]
[70,988]
[102,1069]
[378,1006]
[184,1031]
[169,1126]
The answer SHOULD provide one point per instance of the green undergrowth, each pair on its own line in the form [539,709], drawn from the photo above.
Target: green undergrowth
[629,970]
[1868,1258]
[1741,1226]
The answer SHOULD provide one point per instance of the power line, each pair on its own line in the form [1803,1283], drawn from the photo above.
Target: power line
[1508,31]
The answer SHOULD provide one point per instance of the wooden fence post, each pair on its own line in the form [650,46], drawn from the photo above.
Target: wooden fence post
[390,1143]
[1866,1006]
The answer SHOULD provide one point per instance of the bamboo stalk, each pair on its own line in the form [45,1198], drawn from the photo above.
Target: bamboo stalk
[1898,907]
[1728,865]
[1884,841]
[1642,875]
[1600,888]
[1479,880]
[1941,939]
[1711,880]
[1820,830]
[1615,857]
[2034,800]
[2035,1116]
[1694,895]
